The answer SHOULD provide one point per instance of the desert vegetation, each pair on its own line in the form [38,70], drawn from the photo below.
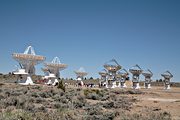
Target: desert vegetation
[50,103]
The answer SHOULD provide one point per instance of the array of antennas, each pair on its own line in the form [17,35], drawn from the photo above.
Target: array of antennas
[134,70]
[29,59]
[113,72]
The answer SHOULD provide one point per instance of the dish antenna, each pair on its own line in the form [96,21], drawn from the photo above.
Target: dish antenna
[136,71]
[122,76]
[52,70]
[112,67]
[167,77]
[147,74]
[27,62]
[80,73]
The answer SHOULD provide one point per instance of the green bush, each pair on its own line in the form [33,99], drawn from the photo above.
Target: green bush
[44,94]
[35,94]
[61,86]
[79,101]
[94,94]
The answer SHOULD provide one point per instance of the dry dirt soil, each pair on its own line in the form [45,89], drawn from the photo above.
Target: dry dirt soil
[159,99]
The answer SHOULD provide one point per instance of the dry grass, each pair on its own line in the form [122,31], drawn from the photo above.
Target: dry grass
[50,103]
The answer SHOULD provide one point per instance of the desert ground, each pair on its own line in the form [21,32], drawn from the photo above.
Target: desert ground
[158,99]
[41,102]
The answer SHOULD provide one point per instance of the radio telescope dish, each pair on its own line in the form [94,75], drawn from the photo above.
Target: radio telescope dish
[167,77]
[136,71]
[80,73]
[28,59]
[103,75]
[112,67]
[147,74]
[122,75]
[55,66]
[167,74]
[27,62]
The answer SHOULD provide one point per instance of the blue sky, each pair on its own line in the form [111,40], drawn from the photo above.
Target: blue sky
[89,33]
